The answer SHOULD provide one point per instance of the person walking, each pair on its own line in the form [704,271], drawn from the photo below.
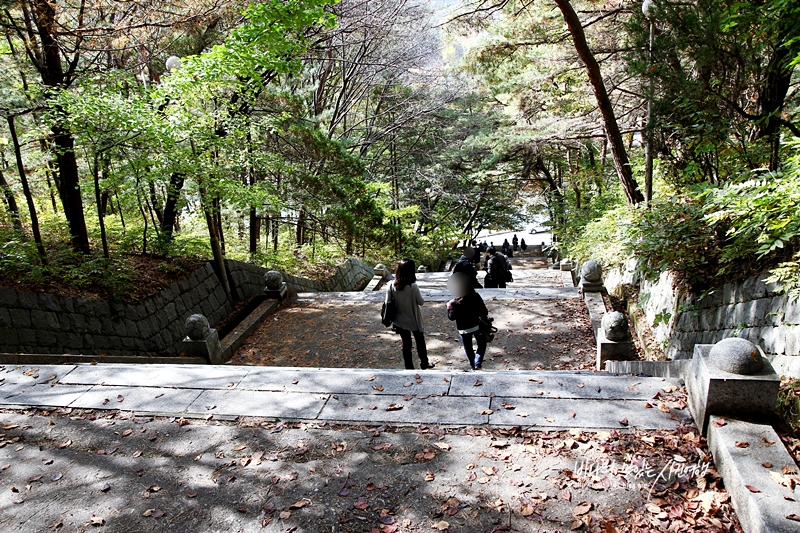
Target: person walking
[522,245]
[468,309]
[465,266]
[515,242]
[496,269]
[408,318]
[505,247]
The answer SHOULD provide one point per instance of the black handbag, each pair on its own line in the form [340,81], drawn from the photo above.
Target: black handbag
[486,328]
[389,310]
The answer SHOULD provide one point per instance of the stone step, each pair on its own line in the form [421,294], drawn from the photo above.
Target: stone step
[443,295]
[547,399]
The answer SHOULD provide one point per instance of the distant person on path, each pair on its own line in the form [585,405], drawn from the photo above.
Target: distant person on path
[464,265]
[515,242]
[467,309]
[506,247]
[495,270]
[408,318]
[522,244]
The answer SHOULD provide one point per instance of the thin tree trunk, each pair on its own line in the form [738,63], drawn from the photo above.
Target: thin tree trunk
[96,175]
[255,231]
[618,151]
[28,197]
[216,250]
[13,209]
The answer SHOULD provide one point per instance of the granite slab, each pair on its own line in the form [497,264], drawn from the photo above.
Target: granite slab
[348,380]
[557,385]
[547,412]
[259,403]
[180,376]
[417,410]
[153,399]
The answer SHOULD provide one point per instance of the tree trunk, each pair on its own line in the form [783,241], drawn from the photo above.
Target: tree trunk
[96,175]
[216,250]
[255,230]
[171,205]
[11,202]
[53,77]
[28,197]
[618,151]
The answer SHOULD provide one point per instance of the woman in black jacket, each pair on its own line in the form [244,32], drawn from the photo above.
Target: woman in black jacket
[468,310]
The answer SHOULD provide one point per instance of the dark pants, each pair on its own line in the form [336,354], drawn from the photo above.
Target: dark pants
[489,283]
[422,350]
[475,360]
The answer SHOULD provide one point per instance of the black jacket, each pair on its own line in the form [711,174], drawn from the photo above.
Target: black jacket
[467,310]
[465,266]
[496,268]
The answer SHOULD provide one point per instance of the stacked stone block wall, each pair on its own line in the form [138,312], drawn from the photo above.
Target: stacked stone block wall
[45,323]
[752,309]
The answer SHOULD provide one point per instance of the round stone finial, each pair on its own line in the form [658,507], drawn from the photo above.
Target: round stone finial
[380,266]
[591,271]
[273,280]
[737,356]
[615,326]
[197,327]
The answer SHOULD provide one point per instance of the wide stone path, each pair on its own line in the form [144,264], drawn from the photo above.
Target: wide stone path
[535,399]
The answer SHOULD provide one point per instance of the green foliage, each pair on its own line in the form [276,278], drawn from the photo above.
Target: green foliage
[603,239]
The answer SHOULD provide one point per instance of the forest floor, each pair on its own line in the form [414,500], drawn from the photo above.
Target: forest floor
[533,335]
[82,470]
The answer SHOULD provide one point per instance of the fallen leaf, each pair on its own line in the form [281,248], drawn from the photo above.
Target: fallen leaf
[239,447]
[191,495]
[382,446]
[499,444]
[793,517]
[624,422]
[719,423]
[97,521]
[788,470]
[442,446]
[768,442]
[663,407]
[565,495]
[527,510]
[127,432]
[486,412]
[371,378]
[378,387]
[285,514]
[394,407]
[550,419]
[441,526]
[572,414]
[752,488]
[299,504]
[478,383]
[508,406]
[766,464]
[489,470]
[120,398]
[56,476]
[742,444]
[582,508]
[429,476]
[361,503]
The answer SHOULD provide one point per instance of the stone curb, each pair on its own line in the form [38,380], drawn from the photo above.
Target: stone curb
[59,359]
[246,327]
[758,498]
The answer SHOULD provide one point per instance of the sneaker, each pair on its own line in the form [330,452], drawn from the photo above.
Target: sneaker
[478,367]
[430,365]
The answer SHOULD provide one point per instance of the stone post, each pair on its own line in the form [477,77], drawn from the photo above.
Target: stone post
[613,339]
[422,269]
[202,340]
[591,277]
[380,270]
[275,288]
[730,378]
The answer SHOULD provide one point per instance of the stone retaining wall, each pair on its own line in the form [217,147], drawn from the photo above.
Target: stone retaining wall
[752,309]
[41,323]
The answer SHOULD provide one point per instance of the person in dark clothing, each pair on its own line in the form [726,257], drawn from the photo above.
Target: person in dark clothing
[505,247]
[465,266]
[515,242]
[495,270]
[522,245]
[467,309]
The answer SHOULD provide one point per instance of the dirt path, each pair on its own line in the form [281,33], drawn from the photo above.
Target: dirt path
[540,334]
[73,470]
